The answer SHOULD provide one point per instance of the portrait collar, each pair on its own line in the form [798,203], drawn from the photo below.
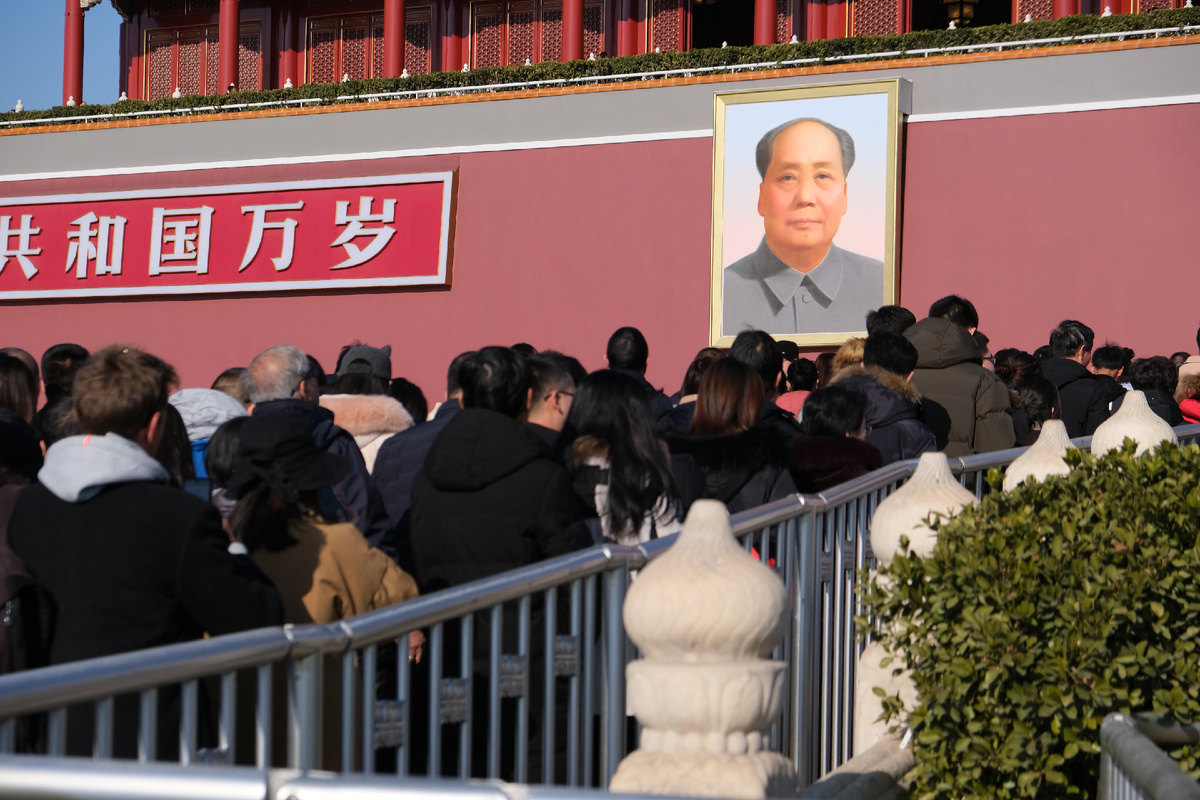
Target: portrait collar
[783,281]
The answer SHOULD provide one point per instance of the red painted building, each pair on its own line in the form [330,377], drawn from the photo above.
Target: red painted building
[204,46]
[1042,184]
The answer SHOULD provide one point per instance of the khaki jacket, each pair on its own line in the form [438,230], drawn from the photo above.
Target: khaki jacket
[332,573]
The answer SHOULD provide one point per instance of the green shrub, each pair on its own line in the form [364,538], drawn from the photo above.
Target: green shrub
[1042,610]
[872,48]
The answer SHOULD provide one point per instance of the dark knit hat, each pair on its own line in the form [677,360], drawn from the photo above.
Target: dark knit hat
[378,361]
[279,450]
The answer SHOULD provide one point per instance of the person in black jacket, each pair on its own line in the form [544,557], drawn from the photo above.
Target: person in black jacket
[281,379]
[1156,377]
[893,416]
[128,561]
[628,353]
[489,499]
[744,466]
[1084,405]
[833,449]
[401,457]
[1108,363]
[631,490]
[757,350]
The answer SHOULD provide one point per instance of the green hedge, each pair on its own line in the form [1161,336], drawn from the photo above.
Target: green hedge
[653,62]
[1042,610]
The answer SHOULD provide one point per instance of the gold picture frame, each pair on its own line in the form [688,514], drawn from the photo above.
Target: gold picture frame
[837,248]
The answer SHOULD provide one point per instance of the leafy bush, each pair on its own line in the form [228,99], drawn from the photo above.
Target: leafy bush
[1042,610]
[872,48]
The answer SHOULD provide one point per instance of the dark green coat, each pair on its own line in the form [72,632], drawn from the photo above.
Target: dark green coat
[965,405]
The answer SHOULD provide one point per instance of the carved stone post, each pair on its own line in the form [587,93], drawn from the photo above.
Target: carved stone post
[1044,458]
[932,489]
[1135,420]
[706,615]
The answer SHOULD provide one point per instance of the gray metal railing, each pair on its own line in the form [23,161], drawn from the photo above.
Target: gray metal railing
[30,778]
[1133,767]
[534,653]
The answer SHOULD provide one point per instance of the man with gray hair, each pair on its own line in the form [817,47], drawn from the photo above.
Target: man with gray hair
[281,379]
[798,280]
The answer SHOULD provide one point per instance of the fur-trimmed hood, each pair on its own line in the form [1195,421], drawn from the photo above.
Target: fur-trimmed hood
[1189,386]
[367,416]
[890,398]
[888,380]
[371,419]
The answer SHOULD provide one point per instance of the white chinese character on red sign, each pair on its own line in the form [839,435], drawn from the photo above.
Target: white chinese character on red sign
[107,251]
[260,224]
[23,250]
[188,249]
[355,228]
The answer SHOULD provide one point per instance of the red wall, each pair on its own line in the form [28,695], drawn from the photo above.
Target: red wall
[1037,218]
[554,247]
[1089,216]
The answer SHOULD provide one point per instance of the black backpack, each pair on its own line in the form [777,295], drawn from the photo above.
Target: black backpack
[26,610]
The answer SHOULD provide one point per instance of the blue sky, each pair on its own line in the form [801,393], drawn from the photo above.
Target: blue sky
[31,53]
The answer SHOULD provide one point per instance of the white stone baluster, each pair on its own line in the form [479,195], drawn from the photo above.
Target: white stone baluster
[706,616]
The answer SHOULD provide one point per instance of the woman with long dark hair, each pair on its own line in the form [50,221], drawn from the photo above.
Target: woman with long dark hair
[680,418]
[621,470]
[18,388]
[744,466]
[20,448]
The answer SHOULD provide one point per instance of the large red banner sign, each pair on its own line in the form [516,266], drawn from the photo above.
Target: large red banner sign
[325,234]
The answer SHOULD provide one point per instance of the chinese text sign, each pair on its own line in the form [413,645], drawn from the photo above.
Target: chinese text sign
[325,234]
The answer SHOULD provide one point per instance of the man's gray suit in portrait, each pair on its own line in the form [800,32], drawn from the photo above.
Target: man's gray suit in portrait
[764,293]
[798,280]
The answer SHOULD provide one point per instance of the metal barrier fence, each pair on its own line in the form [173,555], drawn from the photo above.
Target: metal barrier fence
[523,677]
[30,778]
[1132,767]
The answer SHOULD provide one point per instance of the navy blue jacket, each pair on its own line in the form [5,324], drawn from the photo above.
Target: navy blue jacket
[399,460]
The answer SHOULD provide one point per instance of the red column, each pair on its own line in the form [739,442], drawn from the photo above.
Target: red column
[835,19]
[393,38]
[814,27]
[572,30]
[227,32]
[73,53]
[626,29]
[287,60]
[1065,8]
[764,21]
[455,52]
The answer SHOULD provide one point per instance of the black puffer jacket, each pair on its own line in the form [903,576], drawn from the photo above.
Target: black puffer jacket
[742,470]
[490,499]
[893,412]
[1083,400]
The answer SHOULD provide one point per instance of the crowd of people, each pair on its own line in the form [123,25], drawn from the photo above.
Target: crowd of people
[147,515]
